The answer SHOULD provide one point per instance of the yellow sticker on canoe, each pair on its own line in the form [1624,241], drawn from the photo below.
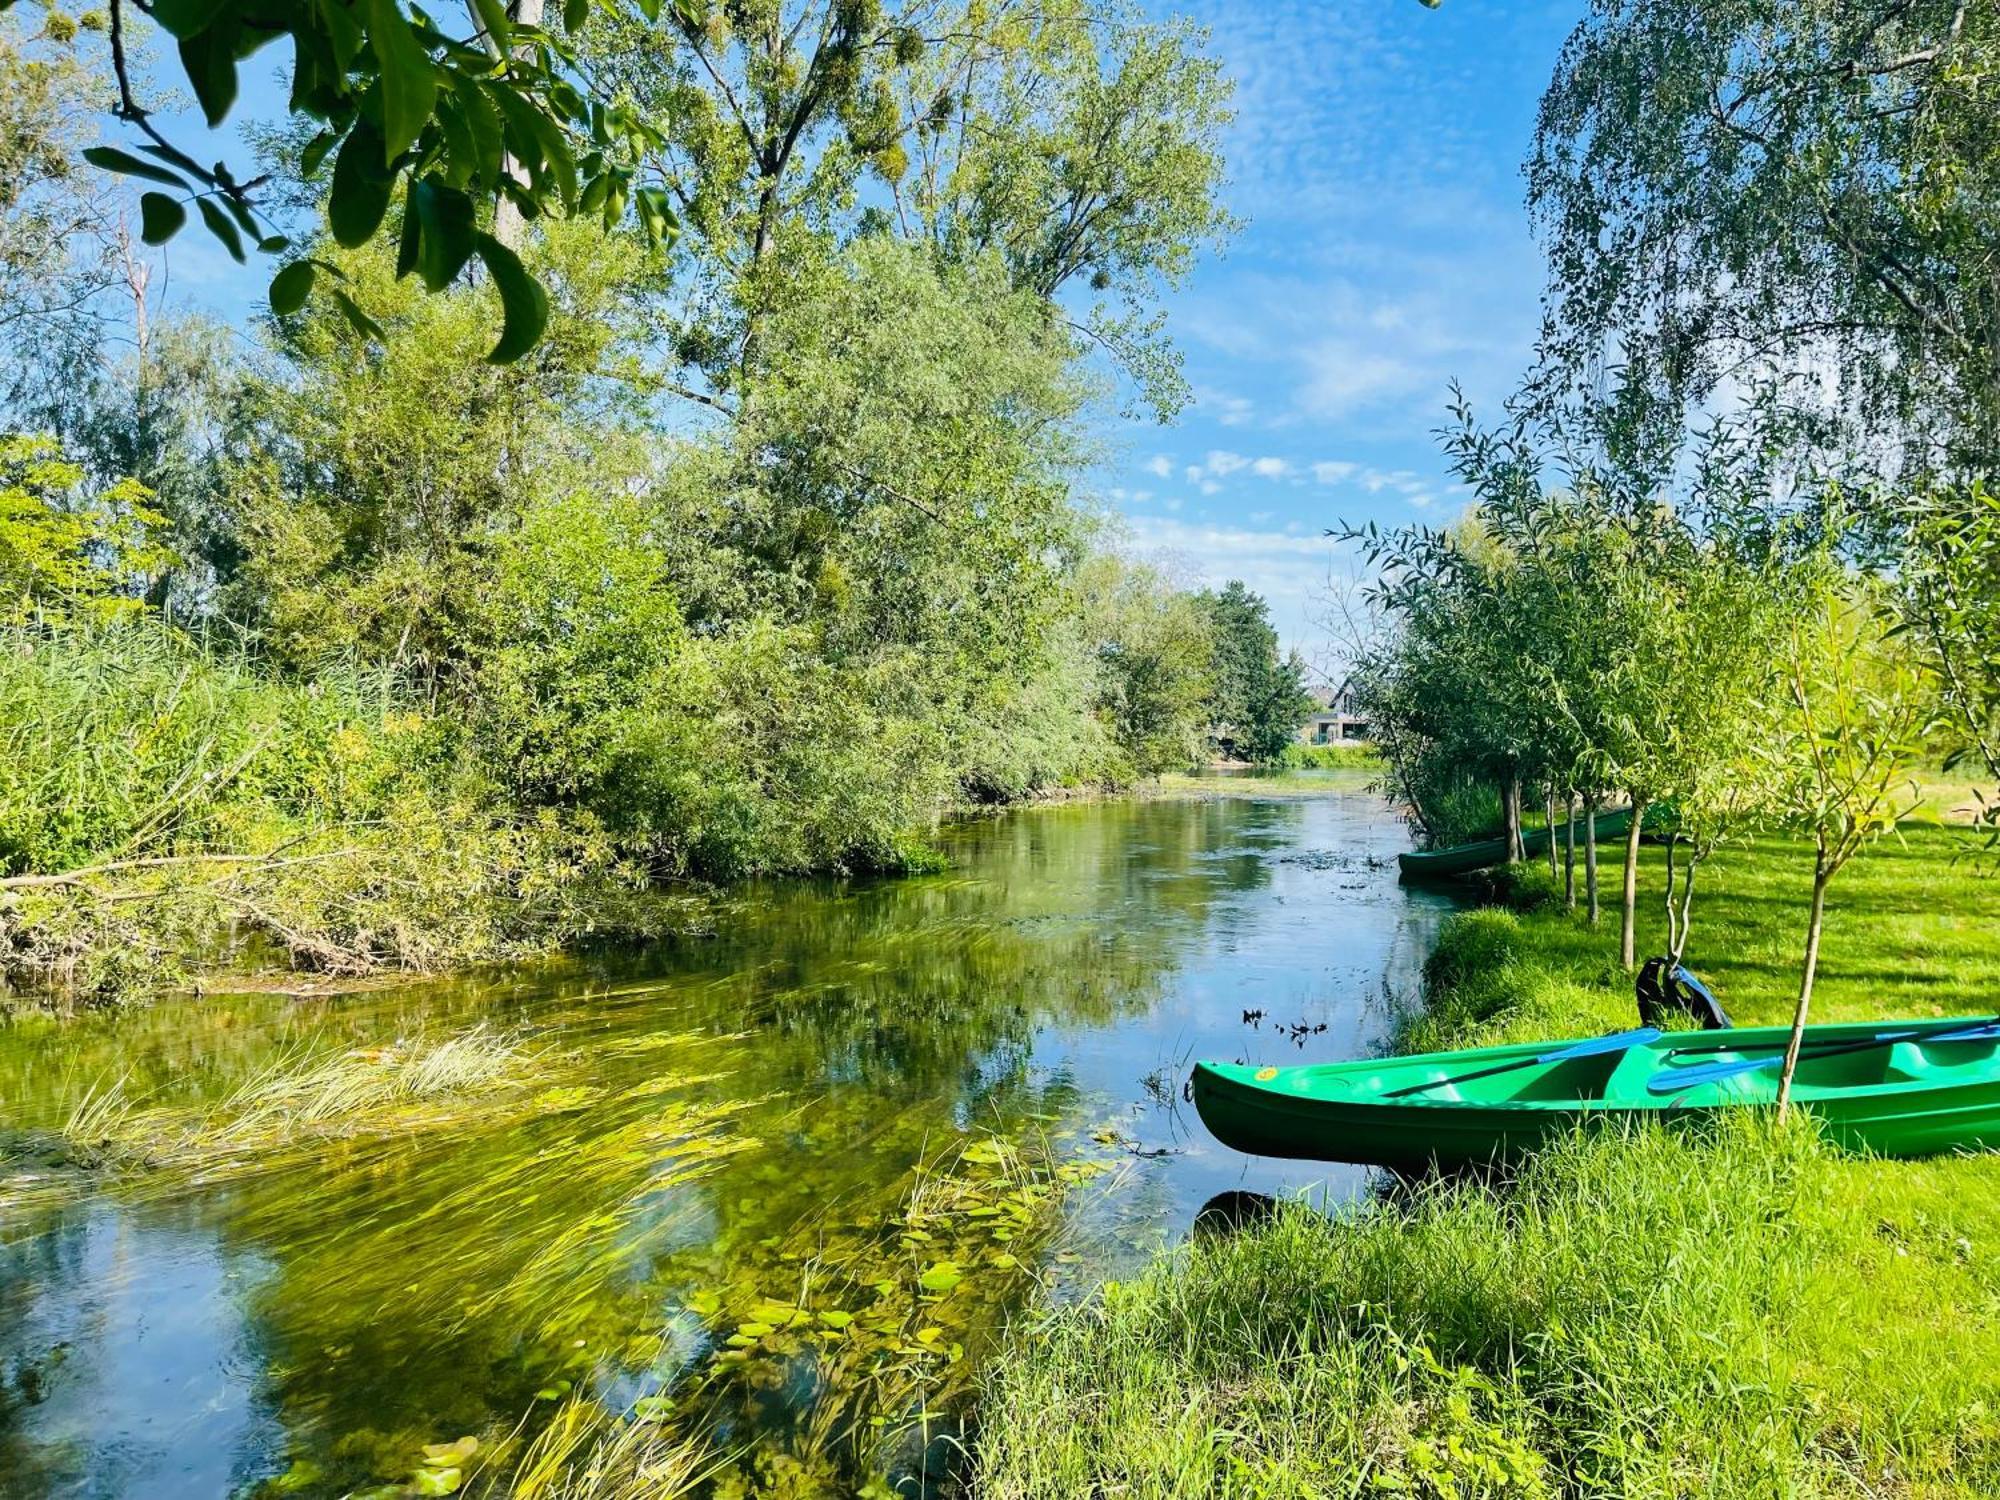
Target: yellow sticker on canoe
[1265,1074]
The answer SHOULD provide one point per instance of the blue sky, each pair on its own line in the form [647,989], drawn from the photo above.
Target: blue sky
[1377,158]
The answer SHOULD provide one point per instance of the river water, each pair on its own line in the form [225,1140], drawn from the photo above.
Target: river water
[895,1111]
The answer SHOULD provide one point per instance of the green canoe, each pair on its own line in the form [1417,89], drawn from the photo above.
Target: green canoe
[1910,1097]
[1463,859]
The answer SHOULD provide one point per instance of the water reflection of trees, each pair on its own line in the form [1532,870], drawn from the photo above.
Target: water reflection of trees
[737,1100]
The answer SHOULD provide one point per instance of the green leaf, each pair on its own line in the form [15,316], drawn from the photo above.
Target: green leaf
[314,156]
[209,59]
[941,1277]
[461,152]
[364,325]
[483,124]
[361,188]
[493,17]
[173,158]
[575,13]
[656,214]
[524,302]
[219,225]
[185,18]
[290,287]
[343,26]
[160,217]
[447,218]
[540,144]
[245,221]
[409,79]
[111,159]
[410,241]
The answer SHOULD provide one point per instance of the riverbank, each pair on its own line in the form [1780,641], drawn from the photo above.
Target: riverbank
[1735,1312]
[175,803]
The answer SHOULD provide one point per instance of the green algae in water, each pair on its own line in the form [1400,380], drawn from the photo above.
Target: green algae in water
[742,1215]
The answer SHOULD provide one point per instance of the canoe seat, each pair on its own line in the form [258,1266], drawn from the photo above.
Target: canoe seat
[1579,1078]
[1876,1066]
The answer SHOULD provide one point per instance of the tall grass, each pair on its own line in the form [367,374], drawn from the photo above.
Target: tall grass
[1641,1314]
[165,804]
[1734,1312]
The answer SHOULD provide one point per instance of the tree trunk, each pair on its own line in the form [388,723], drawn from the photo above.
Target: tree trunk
[1820,877]
[1510,814]
[1569,850]
[1590,855]
[508,225]
[1628,921]
[1549,808]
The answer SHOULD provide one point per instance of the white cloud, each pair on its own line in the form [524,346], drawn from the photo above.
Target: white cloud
[1227,409]
[1221,463]
[1343,377]
[1333,471]
[1289,568]
[1159,464]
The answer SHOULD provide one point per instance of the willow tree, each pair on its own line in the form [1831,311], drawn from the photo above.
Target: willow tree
[1857,704]
[1949,581]
[1785,186]
[1803,191]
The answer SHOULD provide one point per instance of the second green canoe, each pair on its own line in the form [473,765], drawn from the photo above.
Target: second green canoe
[1910,1097]
[1463,859]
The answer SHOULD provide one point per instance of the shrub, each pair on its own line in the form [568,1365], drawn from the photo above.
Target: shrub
[1298,757]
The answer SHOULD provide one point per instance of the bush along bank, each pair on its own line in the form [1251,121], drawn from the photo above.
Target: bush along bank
[1735,1310]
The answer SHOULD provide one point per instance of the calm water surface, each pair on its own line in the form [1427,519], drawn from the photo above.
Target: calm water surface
[713,1127]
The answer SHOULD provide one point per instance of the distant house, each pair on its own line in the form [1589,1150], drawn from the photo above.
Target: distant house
[1338,723]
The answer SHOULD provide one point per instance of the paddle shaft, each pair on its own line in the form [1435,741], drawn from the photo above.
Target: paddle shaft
[1942,1028]
[1715,1072]
[1616,1041]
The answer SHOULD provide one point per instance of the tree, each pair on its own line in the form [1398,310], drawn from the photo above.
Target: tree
[1731,184]
[63,550]
[1154,663]
[1949,579]
[1723,714]
[1858,704]
[1259,698]
[56,229]
[1074,141]
[462,125]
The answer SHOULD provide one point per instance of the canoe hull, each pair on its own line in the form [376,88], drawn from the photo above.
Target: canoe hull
[1927,1099]
[1483,854]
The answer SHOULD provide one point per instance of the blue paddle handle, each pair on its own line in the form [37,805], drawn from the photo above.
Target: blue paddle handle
[1617,1041]
[1675,1080]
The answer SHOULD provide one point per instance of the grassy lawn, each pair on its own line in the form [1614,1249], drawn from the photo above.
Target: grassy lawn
[1734,1311]
[1912,929]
